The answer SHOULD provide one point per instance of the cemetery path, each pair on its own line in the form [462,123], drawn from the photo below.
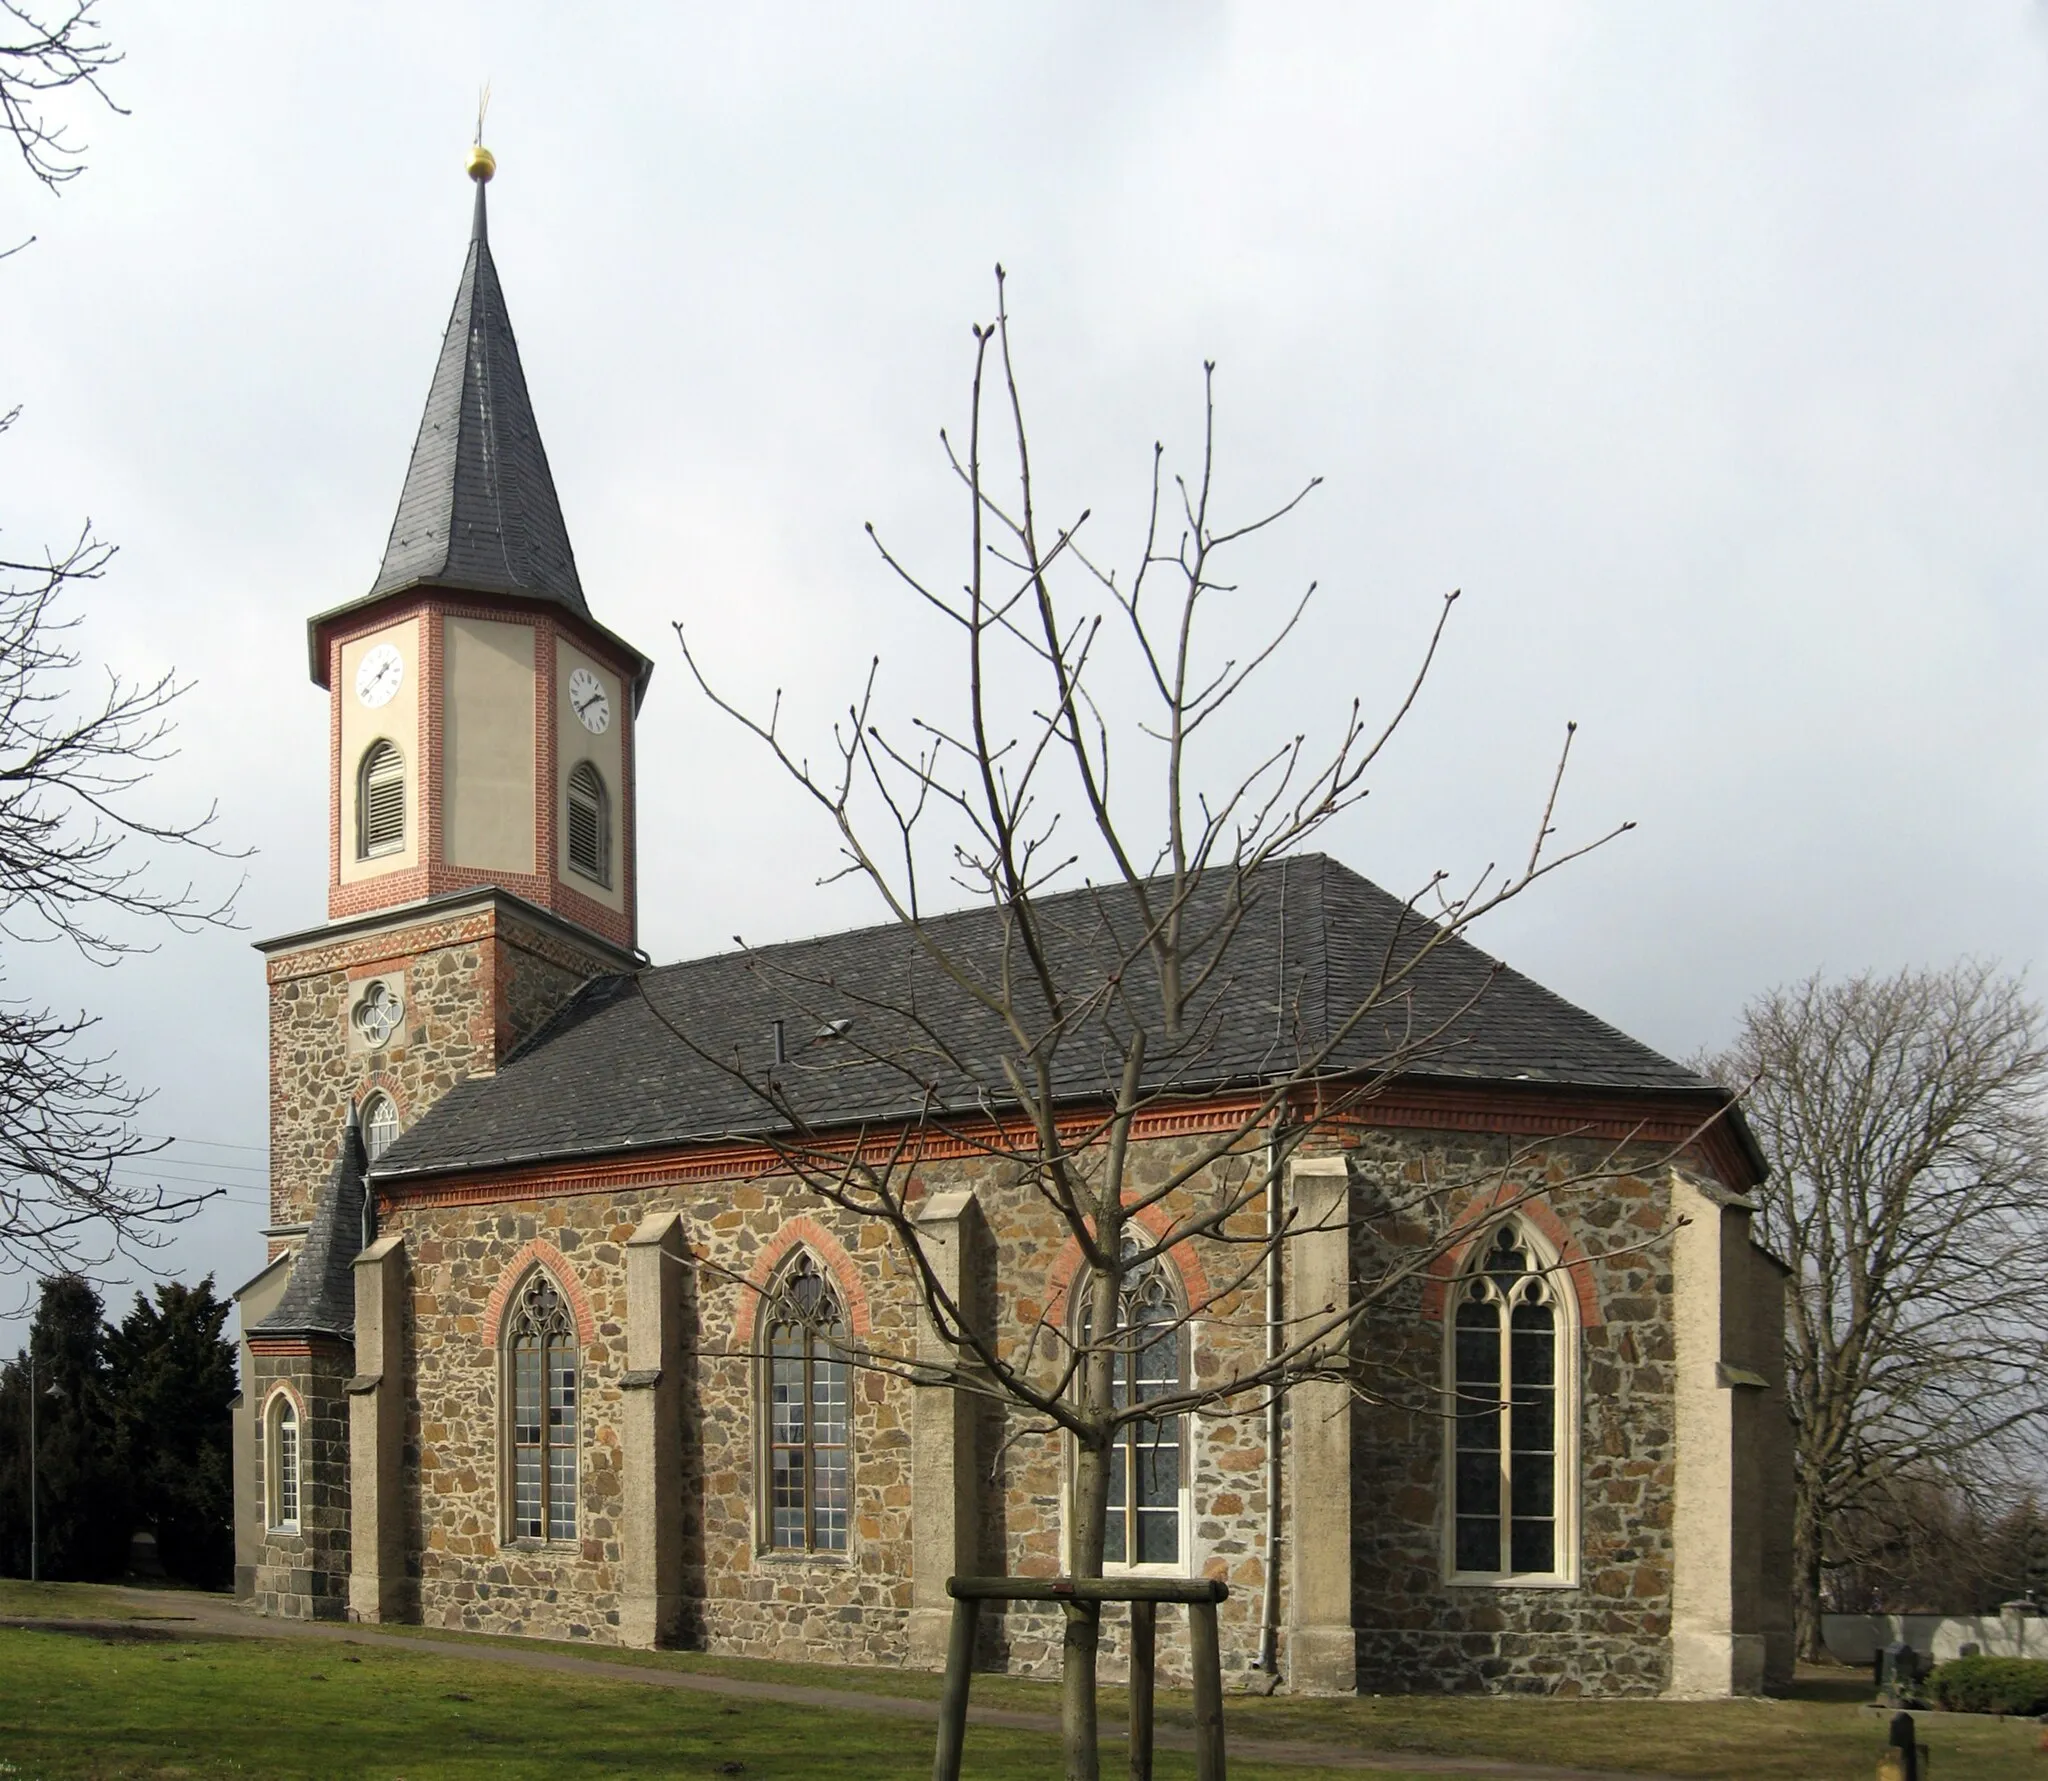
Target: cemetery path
[173,1612]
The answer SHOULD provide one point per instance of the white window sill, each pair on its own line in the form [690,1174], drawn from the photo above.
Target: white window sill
[1483,1580]
[789,1555]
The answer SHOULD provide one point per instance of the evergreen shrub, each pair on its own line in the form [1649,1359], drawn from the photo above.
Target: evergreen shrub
[2017,1685]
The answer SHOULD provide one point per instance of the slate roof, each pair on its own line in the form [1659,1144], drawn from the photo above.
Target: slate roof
[479,509]
[321,1297]
[611,1073]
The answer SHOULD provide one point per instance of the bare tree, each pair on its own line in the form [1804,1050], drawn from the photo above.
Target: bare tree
[79,852]
[1069,755]
[1903,1120]
[44,54]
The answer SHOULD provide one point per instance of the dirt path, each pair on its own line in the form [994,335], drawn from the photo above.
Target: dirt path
[173,1612]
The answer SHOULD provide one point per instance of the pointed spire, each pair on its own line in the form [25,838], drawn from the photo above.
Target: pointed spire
[320,1299]
[479,510]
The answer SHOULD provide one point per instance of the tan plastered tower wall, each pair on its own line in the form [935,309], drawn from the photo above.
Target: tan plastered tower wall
[488,745]
[606,751]
[1728,1317]
[357,726]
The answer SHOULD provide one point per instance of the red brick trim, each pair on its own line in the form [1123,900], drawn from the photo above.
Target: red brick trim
[1194,1278]
[380,1082]
[295,1347]
[803,1232]
[540,1253]
[280,1388]
[1475,1219]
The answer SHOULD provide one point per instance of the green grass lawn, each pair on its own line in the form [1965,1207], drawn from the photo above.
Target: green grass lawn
[162,1702]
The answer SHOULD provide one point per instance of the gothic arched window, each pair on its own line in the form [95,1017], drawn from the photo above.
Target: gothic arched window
[590,823]
[541,1361]
[1148,1466]
[281,1462]
[380,801]
[380,1125]
[807,1387]
[1512,1368]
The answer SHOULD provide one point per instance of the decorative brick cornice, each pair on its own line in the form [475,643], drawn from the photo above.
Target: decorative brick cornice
[803,1232]
[542,1254]
[298,1347]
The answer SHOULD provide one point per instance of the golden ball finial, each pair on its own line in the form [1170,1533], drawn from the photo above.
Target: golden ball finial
[481,164]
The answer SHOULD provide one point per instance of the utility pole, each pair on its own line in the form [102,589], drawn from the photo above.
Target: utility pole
[35,1551]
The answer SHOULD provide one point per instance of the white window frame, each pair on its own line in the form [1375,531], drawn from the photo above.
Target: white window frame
[283,1405]
[370,756]
[1566,1410]
[374,1102]
[1184,1337]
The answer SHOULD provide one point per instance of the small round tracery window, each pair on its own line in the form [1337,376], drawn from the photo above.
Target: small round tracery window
[378,1013]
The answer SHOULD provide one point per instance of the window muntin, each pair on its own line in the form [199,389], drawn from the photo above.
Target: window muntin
[542,1363]
[1508,1455]
[1147,1466]
[282,1454]
[380,801]
[380,1125]
[809,1398]
[590,824]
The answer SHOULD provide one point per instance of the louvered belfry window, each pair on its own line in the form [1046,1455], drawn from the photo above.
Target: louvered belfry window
[380,802]
[1505,1364]
[590,824]
[543,1367]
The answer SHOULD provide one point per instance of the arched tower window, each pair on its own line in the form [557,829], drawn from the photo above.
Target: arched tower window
[541,1361]
[807,1389]
[1512,1365]
[590,824]
[380,1125]
[281,1463]
[380,801]
[1148,1466]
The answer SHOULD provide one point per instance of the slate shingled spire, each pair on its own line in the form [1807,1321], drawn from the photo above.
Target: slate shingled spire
[479,510]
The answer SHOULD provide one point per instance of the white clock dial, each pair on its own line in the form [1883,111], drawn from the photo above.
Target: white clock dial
[378,676]
[587,699]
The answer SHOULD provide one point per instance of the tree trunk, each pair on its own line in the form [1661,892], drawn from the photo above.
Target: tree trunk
[1806,1548]
[1084,1620]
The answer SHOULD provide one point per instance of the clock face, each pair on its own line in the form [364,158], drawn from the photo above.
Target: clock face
[587,699]
[378,677]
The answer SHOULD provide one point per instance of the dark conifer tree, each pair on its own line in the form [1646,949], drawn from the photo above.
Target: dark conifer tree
[173,1376]
[81,1477]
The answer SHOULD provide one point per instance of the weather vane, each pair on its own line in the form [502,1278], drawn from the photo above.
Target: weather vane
[482,163]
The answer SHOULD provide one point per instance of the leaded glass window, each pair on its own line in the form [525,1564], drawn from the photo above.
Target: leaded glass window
[809,1397]
[284,1465]
[1147,1464]
[543,1367]
[380,1125]
[1505,1364]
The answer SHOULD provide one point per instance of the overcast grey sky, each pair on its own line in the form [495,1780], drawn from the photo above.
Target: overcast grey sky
[1702,346]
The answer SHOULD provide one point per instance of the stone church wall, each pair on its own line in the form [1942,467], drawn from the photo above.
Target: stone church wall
[1607,1633]
[304,1576]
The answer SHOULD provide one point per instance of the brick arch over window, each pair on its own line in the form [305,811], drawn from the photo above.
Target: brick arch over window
[282,1389]
[1194,1278]
[1476,1219]
[382,1082]
[540,1253]
[803,1233]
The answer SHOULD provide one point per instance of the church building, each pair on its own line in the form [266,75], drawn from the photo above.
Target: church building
[550,1343]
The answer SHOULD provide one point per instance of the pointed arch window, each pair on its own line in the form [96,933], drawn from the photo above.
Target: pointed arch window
[380,801]
[380,1124]
[590,824]
[281,1463]
[1148,1470]
[541,1362]
[1512,1364]
[808,1398]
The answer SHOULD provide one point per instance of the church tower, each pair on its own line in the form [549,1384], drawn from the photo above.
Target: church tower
[481,867]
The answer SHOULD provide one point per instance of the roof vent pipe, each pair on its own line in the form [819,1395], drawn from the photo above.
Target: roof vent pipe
[781,1050]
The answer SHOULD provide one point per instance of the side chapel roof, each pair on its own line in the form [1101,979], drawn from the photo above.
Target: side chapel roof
[321,1297]
[609,1073]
